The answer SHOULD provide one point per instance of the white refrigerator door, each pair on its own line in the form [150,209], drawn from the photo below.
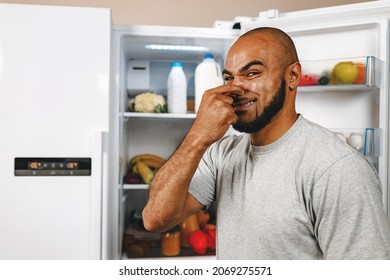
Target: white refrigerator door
[54,106]
[342,33]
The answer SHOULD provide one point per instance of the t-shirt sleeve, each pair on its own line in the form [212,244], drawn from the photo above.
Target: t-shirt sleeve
[350,220]
[203,183]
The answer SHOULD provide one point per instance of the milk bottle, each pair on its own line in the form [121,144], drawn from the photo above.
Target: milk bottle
[177,89]
[207,75]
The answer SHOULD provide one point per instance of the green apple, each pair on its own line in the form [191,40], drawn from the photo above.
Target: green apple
[345,72]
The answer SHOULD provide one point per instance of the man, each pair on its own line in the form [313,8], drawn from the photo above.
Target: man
[287,188]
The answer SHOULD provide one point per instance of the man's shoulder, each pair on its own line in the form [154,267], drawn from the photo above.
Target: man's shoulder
[323,140]
[323,148]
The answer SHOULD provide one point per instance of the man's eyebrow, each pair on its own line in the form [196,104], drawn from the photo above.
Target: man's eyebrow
[250,64]
[226,72]
[245,68]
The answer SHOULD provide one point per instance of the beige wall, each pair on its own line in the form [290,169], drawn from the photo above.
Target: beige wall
[200,13]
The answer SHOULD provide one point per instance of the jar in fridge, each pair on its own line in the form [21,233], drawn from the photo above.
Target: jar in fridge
[170,242]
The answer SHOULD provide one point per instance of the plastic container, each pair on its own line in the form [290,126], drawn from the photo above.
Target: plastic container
[177,89]
[342,72]
[207,75]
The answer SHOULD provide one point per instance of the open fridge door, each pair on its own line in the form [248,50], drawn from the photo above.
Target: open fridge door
[54,116]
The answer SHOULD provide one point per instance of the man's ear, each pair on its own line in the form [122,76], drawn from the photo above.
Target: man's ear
[293,75]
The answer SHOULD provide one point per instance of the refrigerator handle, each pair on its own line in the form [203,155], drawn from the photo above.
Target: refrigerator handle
[99,191]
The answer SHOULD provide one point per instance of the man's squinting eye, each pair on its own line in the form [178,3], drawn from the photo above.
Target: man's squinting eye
[252,73]
[246,74]
[228,78]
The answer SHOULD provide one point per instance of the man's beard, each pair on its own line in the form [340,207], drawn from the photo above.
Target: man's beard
[270,111]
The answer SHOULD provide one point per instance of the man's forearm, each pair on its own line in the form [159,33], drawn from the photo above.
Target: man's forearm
[169,189]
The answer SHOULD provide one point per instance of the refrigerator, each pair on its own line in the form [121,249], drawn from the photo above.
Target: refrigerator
[67,75]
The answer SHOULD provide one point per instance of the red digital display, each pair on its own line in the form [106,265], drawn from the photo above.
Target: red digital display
[39,165]
[35,165]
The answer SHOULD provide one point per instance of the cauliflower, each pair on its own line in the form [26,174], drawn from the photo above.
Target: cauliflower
[148,102]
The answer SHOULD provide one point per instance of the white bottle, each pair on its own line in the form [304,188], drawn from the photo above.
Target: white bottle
[207,75]
[177,89]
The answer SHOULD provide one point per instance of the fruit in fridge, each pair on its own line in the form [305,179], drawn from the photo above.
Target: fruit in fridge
[345,72]
[142,168]
[308,80]
[361,78]
[198,241]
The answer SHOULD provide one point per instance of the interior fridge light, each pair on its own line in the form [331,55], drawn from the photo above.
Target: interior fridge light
[176,48]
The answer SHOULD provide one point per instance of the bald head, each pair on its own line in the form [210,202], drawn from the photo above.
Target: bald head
[288,53]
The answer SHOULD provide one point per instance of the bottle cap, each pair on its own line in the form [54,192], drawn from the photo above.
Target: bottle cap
[208,55]
[176,64]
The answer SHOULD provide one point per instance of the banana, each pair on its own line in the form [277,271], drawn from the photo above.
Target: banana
[139,157]
[154,163]
[145,172]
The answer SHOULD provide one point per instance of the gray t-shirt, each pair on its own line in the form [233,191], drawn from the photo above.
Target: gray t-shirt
[306,196]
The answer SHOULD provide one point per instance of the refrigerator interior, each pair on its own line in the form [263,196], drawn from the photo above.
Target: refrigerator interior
[345,108]
[153,133]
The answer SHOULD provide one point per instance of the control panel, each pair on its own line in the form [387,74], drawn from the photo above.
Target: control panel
[53,166]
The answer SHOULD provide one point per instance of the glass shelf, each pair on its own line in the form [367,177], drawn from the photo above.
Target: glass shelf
[188,115]
[185,254]
[135,186]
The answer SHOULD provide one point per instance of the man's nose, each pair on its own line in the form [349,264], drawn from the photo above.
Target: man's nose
[238,87]
[237,81]
[237,92]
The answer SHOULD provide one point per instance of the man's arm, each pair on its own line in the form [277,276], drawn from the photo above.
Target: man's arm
[169,202]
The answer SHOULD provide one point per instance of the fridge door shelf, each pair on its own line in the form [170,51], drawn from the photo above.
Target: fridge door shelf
[373,142]
[355,73]
[368,141]
[337,88]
